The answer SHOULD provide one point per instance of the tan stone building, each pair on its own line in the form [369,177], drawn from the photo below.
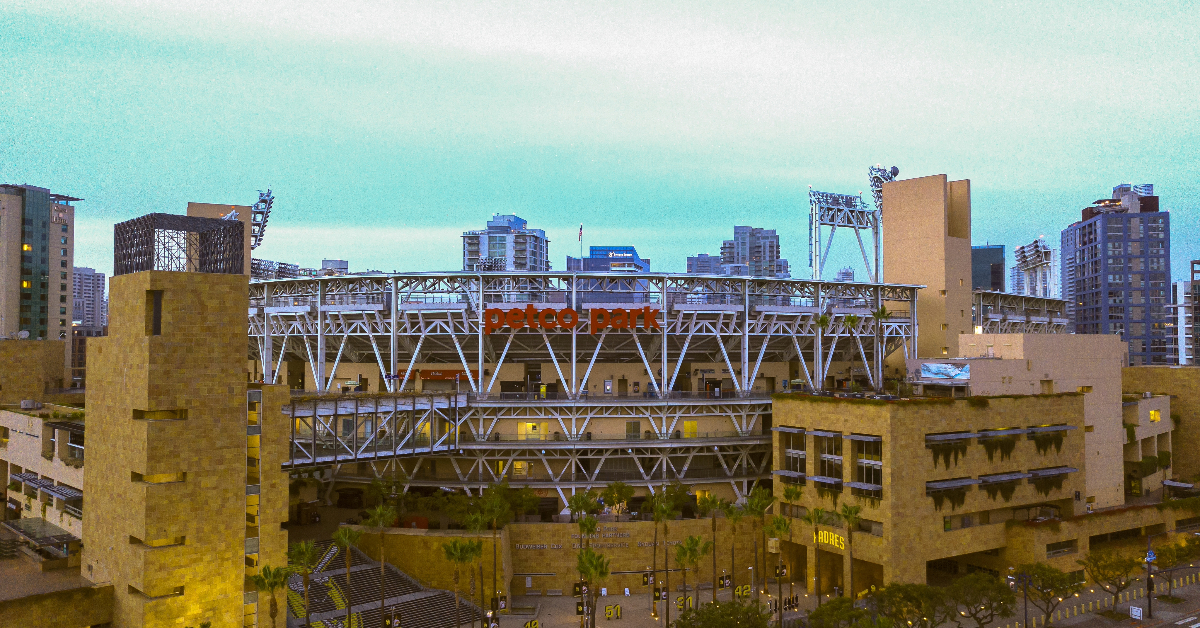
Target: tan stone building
[193,494]
[41,459]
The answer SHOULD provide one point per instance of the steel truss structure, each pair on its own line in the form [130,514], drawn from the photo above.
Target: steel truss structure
[1003,313]
[259,214]
[850,212]
[398,321]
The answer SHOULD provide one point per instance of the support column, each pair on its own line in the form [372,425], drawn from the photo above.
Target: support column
[320,357]
[268,359]
[810,570]
[847,567]
[393,341]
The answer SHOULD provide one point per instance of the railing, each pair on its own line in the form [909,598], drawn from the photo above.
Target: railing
[75,452]
[644,395]
[591,436]
[74,511]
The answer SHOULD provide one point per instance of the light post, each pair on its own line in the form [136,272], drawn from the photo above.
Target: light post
[1022,580]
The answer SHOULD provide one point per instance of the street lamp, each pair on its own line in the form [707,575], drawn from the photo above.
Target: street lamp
[1150,558]
[1022,580]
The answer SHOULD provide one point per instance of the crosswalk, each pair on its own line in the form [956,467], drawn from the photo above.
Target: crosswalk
[1185,620]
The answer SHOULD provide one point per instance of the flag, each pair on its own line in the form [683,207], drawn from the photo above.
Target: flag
[581,232]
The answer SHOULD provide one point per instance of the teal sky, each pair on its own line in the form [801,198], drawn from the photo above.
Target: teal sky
[386,129]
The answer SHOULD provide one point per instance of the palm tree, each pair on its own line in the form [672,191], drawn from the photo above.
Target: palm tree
[792,494]
[587,529]
[709,505]
[269,580]
[688,554]
[850,515]
[593,569]
[617,495]
[822,322]
[757,504]
[780,525]
[303,559]
[347,539]
[879,315]
[734,514]
[814,518]
[380,517]
[495,507]
[476,522]
[460,552]
[659,509]
[664,511]
[581,503]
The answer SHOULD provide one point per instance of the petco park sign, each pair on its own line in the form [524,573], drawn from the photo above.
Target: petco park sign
[567,318]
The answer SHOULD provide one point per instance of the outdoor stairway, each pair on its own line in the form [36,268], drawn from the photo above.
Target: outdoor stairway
[8,548]
[328,595]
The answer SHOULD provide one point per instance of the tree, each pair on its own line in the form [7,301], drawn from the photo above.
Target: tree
[593,569]
[1048,586]
[1113,572]
[982,598]
[814,517]
[380,517]
[838,613]
[879,315]
[688,554]
[1171,556]
[617,496]
[757,504]
[851,516]
[734,514]
[915,605]
[780,525]
[496,509]
[582,503]
[664,511]
[476,522]
[269,580]
[735,614]
[460,552]
[678,493]
[347,539]
[303,558]
[709,506]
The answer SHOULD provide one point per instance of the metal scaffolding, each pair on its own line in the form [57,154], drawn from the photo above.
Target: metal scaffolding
[849,212]
[178,243]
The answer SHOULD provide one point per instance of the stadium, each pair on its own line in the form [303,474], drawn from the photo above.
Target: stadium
[561,381]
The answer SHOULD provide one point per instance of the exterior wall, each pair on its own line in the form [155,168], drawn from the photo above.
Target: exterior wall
[58,248]
[1090,364]
[72,608]
[245,214]
[1152,434]
[26,449]
[928,242]
[549,550]
[913,531]
[1182,383]
[166,477]
[30,368]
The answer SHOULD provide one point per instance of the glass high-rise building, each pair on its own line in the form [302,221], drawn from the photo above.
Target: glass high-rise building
[1116,271]
[507,244]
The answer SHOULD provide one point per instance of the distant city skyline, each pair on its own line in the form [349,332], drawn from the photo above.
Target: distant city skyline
[660,127]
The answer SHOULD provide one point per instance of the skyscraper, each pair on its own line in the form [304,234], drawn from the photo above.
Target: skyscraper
[758,249]
[704,264]
[89,303]
[37,251]
[987,267]
[609,259]
[1116,265]
[1185,297]
[507,244]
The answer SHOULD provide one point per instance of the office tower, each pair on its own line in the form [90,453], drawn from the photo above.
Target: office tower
[1185,296]
[756,249]
[507,244]
[704,264]
[89,301]
[1035,272]
[987,267]
[190,495]
[609,259]
[37,251]
[927,242]
[1116,263]
[845,275]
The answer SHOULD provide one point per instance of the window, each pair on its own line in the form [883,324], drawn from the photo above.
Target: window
[1061,548]
[689,429]
[608,386]
[64,252]
[26,247]
[1155,416]
[64,239]
[830,462]
[1083,389]
[793,456]
[633,430]
[26,284]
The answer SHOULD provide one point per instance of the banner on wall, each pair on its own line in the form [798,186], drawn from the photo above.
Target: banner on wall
[938,370]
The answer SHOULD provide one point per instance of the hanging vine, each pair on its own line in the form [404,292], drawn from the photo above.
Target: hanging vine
[1044,440]
[1005,445]
[956,496]
[1003,489]
[1130,432]
[947,450]
[1047,484]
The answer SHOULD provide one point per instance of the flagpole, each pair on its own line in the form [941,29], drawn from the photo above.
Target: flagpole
[581,245]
